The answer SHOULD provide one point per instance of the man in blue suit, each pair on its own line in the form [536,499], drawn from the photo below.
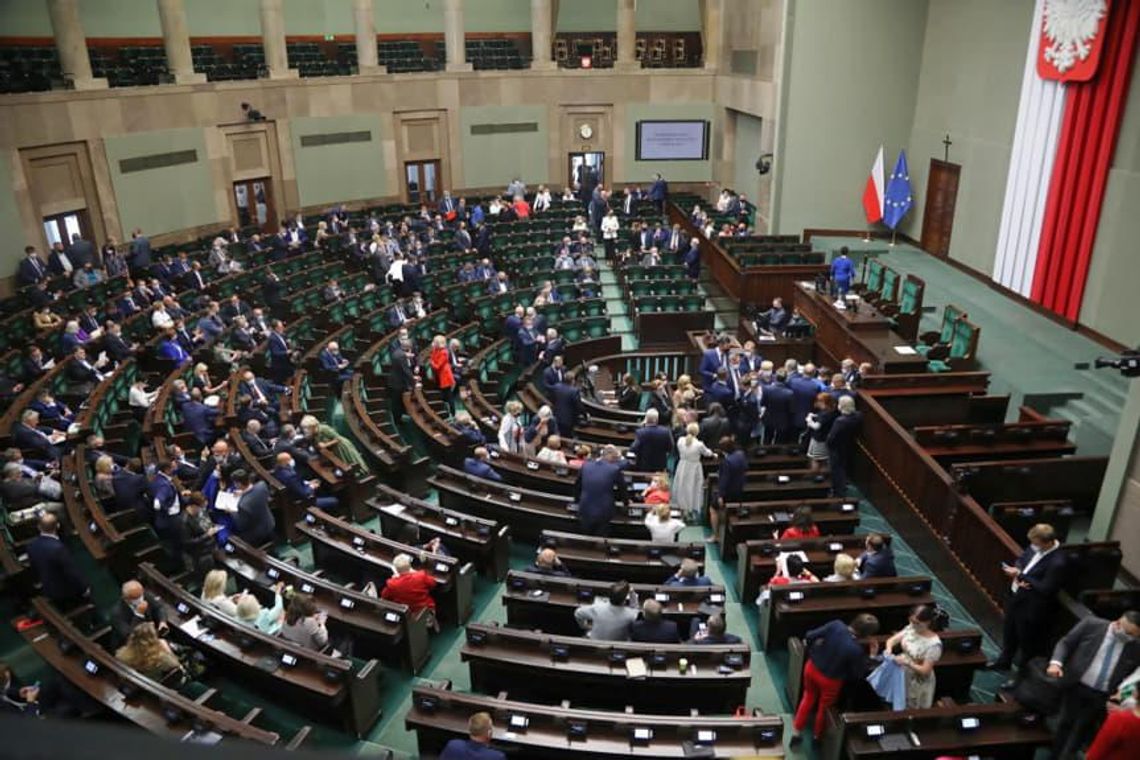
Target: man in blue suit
[567,403]
[32,270]
[842,273]
[877,559]
[652,444]
[170,348]
[692,260]
[253,522]
[720,392]
[777,409]
[653,628]
[26,434]
[1035,580]
[599,486]
[130,489]
[513,324]
[713,359]
[264,394]
[554,374]
[59,576]
[280,353]
[477,465]
[167,506]
[199,419]
[286,474]
[658,192]
[478,744]
[138,257]
[804,389]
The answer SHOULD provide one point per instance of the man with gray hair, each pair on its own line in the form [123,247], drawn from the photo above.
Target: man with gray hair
[411,587]
[24,496]
[653,627]
[652,444]
[841,443]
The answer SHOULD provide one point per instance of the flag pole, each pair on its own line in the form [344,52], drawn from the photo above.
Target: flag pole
[894,234]
[867,234]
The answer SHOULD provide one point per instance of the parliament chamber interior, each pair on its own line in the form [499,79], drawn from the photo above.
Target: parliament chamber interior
[570,378]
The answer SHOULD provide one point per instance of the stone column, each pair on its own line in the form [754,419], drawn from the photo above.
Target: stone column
[367,61]
[626,34]
[712,32]
[72,45]
[273,40]
[453,36]
[541,15]
[176,38]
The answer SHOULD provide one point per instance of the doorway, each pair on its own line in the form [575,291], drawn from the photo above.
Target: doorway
[587,171]
[254,201]
[941,198]
[58,228]
[422,180]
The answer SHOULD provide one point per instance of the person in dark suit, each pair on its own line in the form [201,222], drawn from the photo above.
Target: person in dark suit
[199,419]
[513,324]
[136,605]
[171,349]
[130,489]
[59,576]
[26,434]
[139,254]
[335,367]
[281,366]
[804,388]
[554,374]
[720,392]
[841,443]
[652,444]
[478,744]
[730,479]
[1092,660]
[306,490]
[713,359]
[258,445]
[776,318]
[546,562]
[81,252]
[1035,580]
[600,485]
[253,522]
[652,627]
[32,367]
[692,260]
[777,409]
[477,465]
[116,346]
[877,559]
[167,505]
[568,409]
[271,290]
[32,269]
[658,193]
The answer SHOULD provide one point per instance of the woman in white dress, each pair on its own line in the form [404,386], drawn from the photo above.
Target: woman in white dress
[663,527]
[511,428]
[919,648]
[689,479]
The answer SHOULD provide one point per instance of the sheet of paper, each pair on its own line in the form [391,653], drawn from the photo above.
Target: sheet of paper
[905,350]
[226,501]
[635,668]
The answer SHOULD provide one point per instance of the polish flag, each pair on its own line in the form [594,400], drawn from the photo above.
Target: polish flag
[873,192]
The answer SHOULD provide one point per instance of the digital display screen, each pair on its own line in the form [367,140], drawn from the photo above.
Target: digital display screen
[306,588]
[288,659]
[391,617]
[875,730]
[970,723]
[519,721]
[706,737]
[183,608]
[91,667]
[347,603]
[672,140]
[795,596]
[273,573]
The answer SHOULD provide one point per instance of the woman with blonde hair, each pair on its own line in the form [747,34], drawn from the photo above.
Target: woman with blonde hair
[684,393]
[104,473]
[201,379]
[511,428]
[658,490]
[251,613]
[147,653]
[322,233]
[844,569]
[662,526]
[214,592]
[689,477]
[326,437]
[552,451]
[582,455]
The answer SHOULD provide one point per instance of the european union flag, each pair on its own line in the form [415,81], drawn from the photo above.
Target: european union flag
[899,198]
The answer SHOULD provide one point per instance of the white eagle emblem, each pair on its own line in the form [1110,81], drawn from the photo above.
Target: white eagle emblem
[1069,26]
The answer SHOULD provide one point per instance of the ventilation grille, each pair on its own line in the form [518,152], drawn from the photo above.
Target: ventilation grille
[157,161]
[335,138]
[504,129]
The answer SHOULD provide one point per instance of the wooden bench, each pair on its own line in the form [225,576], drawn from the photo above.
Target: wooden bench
[532,730]
[747,521]
[756,559]
[795,608]
[616,559]
[1075,478]
[547,602]
[361,555]
[548,668]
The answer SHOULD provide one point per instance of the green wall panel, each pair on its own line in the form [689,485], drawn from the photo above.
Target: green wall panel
[165,199]
[748,148]
[11,253]
[652,16]
[492,160]
[340,172]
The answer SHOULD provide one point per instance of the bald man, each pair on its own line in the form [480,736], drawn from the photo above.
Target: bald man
[136,605]
[546,562]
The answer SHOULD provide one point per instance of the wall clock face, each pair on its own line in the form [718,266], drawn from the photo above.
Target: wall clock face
[586,131]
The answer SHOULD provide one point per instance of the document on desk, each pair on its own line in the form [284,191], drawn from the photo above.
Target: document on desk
[393,509]
[905,350]
[226,501]
[635,668]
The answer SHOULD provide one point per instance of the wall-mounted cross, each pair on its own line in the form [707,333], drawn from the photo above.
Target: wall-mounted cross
[947,143]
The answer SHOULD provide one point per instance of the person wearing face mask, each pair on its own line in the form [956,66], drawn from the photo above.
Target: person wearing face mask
[1091,661]
[1035,579]
[306,490]
[916,649]
[135,606]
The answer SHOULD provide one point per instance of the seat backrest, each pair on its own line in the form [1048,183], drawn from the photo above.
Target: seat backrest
[950,316]
[890,289]
[874,275]
[963,341]
[908,300]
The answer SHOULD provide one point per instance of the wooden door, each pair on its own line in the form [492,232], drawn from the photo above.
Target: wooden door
[253,199]
[941,196]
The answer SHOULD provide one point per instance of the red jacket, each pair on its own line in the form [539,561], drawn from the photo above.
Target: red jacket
[441,366]
[412,589]
[796,532]
[655,495]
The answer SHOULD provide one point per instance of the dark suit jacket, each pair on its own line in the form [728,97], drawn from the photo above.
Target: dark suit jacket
[804,390]
[710,363]
[401,376]
[652,445]
[881,564]
[293,482]
[124,620]
[730,478]
[598,486]
[130,490]
[258,446]
[31,439]
[56,569]
[841,439]
[778,406]
[566,401]
[198,419]
[1044,581]
[28,273]
[254,521]
[661,632]
[480,469]
[1077,649]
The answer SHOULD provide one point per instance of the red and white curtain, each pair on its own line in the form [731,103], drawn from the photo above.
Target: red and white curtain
[1073,94]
